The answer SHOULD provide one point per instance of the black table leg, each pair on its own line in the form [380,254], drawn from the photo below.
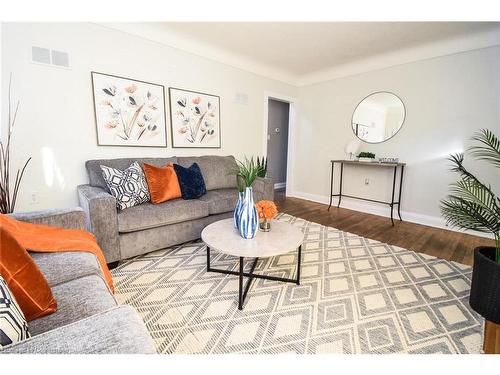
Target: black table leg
[298,264]
[240,294]
[393,190]
[331,187]
[340,191]
[208,259]
[244,288]
[400,188]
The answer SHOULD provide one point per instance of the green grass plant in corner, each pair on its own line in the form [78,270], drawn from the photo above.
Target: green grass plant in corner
[472,204]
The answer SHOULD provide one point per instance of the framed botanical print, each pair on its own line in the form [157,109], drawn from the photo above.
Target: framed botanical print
[194,119]
[128,112]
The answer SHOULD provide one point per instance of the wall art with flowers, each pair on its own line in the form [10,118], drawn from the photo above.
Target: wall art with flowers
[128,112]
[195,119]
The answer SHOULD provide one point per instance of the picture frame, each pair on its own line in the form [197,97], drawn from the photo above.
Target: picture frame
[194,119]
[128,112]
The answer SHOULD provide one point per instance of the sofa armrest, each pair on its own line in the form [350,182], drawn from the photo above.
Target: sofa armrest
[73,218]
[119,330]
[263,188]
[102,219]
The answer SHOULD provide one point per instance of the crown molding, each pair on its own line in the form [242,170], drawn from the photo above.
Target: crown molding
[426,51]
[183,43]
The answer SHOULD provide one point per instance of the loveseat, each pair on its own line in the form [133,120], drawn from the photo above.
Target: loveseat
[148,227]
[88,318]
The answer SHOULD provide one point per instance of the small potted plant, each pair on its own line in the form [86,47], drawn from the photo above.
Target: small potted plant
[366,156]
[473,205]
[267,211]
[245,215]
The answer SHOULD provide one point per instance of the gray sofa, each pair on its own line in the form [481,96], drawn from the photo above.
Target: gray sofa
[88,318]
[148,227]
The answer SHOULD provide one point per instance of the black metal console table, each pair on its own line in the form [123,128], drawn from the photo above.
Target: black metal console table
[391,204]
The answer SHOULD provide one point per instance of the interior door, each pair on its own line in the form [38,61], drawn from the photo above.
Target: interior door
[277,140]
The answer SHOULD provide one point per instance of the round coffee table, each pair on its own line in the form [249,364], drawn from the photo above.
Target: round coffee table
[223,237]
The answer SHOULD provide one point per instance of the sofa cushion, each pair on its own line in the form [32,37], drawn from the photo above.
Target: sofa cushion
[216,170]
[149,215]
[94,167]
[76,299]
[25,280]
[13,325]
[162,182]
[220,200]
[128,186]
[119,330]
[64,266]
[191,181]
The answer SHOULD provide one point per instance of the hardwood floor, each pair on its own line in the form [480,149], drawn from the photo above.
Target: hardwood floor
[441,243]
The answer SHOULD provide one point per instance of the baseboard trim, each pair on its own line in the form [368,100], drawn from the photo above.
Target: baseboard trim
[381,210]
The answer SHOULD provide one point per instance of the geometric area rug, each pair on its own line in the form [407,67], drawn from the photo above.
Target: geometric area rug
[357,295]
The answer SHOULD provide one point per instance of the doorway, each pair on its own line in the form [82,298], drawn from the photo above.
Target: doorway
[278,120]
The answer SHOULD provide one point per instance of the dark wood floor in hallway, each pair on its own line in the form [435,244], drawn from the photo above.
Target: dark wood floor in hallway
[441,243]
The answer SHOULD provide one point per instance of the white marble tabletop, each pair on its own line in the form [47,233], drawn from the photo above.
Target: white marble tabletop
[223,237]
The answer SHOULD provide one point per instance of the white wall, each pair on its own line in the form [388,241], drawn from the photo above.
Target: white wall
[447,99]
[56,118]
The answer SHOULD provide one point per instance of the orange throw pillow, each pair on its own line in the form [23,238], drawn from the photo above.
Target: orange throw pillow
[24,278]
[163,183]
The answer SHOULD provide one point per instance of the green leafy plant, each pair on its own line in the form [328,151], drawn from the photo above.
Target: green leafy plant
[363,154]
[262,164]
[472,204]
[246,172]
[8,197]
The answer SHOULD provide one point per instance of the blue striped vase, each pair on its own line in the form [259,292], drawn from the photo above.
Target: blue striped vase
[237,210]
[249,219]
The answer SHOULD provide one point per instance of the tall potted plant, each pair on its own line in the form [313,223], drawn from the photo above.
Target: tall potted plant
[473,205]
[8,196]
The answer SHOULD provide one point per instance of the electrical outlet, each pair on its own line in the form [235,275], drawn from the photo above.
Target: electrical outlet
[34,197]
[367,181]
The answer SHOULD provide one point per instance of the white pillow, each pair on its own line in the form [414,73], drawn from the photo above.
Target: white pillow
[129,187]
[13,326]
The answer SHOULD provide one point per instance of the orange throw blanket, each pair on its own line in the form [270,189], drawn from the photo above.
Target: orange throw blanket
[44,238]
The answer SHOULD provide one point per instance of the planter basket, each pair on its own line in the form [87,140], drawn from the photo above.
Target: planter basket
[485,287]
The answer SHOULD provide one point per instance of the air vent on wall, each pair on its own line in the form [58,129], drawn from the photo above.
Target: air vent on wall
[241,98]
[50,57]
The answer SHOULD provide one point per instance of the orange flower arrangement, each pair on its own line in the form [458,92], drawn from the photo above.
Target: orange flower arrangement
[267,209]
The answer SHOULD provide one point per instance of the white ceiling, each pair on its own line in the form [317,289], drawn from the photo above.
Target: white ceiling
[303,52]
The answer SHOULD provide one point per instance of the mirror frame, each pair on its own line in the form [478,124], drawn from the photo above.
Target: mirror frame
[362,100]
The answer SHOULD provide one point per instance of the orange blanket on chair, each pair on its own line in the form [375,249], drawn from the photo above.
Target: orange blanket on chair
[44,238]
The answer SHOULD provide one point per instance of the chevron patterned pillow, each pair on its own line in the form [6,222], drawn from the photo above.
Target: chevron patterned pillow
[13,326]
[129,187]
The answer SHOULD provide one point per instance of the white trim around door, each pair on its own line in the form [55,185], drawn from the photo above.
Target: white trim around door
[291,131]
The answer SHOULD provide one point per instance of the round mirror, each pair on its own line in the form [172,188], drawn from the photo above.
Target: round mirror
[378,117]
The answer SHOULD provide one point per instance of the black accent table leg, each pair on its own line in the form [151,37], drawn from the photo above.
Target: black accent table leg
[393,190]
[340,191]
[243,289]
[331,187]
[400,188]
[240,293]
[298,264]
[208,259]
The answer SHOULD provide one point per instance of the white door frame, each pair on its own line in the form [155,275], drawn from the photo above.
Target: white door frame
[291,122]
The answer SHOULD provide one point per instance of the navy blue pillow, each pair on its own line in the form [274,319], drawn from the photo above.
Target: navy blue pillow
[191,181]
